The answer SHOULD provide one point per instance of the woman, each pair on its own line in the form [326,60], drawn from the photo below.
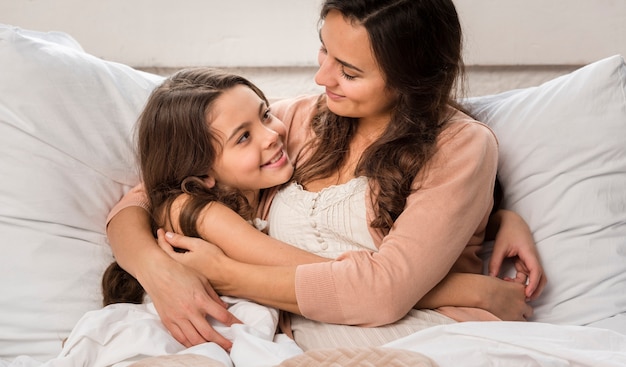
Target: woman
[389,69]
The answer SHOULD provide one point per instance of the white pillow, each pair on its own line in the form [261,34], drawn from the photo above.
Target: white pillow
[563,168]
[66,143]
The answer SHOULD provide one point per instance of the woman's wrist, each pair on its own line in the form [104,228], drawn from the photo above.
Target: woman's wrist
[153,267]
[225,274]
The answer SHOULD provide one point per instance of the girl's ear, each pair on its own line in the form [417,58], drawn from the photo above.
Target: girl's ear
[209,181]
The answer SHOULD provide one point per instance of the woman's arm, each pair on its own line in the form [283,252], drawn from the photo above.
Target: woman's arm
[182,297]
[274,285]
[505,300]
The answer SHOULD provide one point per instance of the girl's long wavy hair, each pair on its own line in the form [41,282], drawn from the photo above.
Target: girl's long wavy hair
[176,149]
[418,45]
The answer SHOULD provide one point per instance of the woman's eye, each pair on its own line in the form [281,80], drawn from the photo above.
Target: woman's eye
[347,76]
[244,137]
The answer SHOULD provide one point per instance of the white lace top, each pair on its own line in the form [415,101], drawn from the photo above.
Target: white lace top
[327,223]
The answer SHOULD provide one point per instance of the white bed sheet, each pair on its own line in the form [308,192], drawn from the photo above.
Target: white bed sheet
[121,334]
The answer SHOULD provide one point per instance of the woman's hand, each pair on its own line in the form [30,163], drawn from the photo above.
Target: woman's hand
[183,298]
[514,240]
[194,253]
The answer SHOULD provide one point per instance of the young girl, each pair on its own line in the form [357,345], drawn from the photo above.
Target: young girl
[207,146]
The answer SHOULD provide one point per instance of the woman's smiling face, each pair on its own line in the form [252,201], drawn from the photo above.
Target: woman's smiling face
[355,85]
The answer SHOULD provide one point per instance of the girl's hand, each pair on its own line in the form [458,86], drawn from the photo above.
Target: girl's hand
[505,299]
[514,240]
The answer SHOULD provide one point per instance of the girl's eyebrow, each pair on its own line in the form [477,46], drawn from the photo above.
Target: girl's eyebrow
[244,125]
[236,131]
[343,63]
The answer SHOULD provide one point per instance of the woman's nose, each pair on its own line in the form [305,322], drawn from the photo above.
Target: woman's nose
[323,76]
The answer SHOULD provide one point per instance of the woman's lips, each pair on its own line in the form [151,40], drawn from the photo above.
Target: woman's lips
[333,96]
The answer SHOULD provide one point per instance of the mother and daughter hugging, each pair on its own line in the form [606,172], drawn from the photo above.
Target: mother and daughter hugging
[360,213]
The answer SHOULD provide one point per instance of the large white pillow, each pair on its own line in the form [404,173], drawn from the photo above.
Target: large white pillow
[563,168]
[66,148]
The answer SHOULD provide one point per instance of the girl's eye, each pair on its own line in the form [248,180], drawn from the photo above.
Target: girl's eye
[323,50]
[267,115]
[347,76]
[243,138]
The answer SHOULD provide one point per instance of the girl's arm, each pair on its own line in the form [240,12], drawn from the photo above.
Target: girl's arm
[502,298]
[266,284]
[513,239]
[241,241]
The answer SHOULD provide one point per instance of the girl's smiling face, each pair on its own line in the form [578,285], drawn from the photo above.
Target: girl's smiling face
[252,155]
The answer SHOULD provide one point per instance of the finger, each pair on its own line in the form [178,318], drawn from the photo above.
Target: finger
[531,277]
[214,296]
[528,313]
[208,333]
[193,334]
[221,314]
[534,294]
[535,279]
[535,273]
[178,241]
[177,333]
[163,244]
[521,278]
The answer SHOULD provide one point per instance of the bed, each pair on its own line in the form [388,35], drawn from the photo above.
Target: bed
[66,140]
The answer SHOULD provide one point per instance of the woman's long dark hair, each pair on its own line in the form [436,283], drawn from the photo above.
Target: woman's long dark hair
[176,149]
[418,45]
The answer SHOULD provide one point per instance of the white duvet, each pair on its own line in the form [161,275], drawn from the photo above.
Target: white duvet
[121,334]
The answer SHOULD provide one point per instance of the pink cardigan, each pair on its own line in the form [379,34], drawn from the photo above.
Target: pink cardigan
[443,221]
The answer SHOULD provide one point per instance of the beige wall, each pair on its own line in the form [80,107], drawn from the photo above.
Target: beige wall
[542,32]
[509,43]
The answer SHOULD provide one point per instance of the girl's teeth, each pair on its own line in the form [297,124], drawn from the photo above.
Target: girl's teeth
[276,158]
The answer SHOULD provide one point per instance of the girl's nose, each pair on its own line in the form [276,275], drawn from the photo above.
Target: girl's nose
[271,138]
